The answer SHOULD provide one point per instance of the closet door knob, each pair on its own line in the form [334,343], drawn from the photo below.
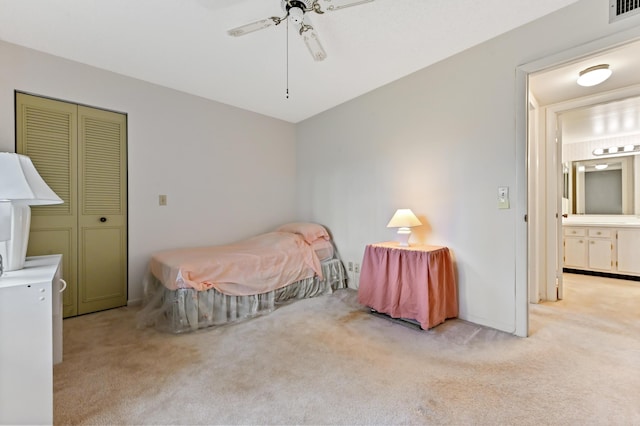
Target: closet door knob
[103,219]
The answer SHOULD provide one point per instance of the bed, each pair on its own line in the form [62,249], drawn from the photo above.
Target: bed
[194,288]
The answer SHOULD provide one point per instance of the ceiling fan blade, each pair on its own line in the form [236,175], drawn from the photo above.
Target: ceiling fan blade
[333,5]
[312,41]
[254,26]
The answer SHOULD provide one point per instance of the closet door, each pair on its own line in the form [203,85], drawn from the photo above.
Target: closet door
[81,153]
[103,215]
[47,133]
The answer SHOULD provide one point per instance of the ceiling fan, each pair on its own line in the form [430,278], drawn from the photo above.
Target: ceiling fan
[296,11]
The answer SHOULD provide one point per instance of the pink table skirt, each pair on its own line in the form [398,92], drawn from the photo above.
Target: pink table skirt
[416,282]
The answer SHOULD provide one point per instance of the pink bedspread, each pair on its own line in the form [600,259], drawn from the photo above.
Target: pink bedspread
[257,265]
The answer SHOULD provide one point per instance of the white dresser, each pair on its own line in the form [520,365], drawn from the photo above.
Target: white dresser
[30,339]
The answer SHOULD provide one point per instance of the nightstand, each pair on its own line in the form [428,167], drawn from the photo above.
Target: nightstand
[415,283]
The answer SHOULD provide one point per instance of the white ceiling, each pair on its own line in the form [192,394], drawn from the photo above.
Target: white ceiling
[611,119]
[602,121]
[559,84]
[183,44]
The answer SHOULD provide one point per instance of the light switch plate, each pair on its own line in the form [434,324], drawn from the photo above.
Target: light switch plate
[162,200]
[503,197]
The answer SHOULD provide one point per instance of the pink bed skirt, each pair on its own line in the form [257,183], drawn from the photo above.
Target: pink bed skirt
[416,282]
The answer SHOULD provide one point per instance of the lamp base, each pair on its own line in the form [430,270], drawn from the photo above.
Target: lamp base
[14,251]
[403,236]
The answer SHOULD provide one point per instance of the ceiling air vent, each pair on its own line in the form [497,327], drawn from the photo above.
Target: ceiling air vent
[620,9]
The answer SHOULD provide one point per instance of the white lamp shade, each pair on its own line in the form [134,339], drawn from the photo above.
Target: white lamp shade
[21,183]
[403,218]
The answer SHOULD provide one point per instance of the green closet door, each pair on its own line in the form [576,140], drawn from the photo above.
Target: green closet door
[47,133]
[103,214]
[81,153]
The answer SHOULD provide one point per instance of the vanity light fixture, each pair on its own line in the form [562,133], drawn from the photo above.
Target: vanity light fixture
[594,75]
[626,149]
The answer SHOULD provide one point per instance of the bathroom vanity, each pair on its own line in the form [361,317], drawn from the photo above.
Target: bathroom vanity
[601,206]
[609,244]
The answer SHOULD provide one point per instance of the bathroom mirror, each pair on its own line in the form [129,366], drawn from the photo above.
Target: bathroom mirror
[603,186]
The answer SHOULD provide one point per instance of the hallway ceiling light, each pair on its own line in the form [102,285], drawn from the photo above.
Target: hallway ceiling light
[594,75]
[601,166]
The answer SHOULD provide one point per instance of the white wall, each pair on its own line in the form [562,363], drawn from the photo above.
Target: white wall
[228,173]
[440,142]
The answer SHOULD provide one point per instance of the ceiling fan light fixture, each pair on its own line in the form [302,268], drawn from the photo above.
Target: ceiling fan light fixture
[296,15]
[296,12]
[315,47]
[594,75]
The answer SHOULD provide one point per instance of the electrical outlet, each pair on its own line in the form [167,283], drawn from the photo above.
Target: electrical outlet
[350,275]
[356,268]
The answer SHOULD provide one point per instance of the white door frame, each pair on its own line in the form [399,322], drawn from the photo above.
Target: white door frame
[522,171]
[534,162]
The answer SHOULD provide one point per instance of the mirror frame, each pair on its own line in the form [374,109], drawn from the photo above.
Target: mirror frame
[574,195]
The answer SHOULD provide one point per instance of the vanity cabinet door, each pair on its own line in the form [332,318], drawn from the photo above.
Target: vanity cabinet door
[629,251]
[600,254]
[575,252]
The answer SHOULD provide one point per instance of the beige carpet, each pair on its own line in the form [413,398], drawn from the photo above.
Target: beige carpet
[328,361]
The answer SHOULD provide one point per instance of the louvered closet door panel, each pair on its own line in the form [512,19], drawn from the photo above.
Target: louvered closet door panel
[103,215]
[46,131]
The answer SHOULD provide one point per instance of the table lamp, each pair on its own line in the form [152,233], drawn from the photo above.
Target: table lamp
[404,220]
[21,186]
[5,227]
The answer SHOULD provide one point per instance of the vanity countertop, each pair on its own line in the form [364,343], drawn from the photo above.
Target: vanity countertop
[604,221]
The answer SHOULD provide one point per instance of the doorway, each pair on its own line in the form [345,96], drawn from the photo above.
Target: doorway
[546,182]
[541,209]
[80,152]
